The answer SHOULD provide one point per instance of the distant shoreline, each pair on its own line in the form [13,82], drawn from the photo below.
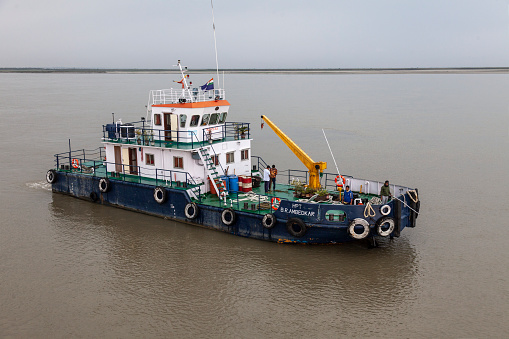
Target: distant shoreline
[454,70]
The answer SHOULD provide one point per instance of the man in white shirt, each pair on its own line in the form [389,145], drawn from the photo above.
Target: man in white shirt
[266,178]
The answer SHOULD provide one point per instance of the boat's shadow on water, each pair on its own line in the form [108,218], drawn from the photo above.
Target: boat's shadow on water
[180,262]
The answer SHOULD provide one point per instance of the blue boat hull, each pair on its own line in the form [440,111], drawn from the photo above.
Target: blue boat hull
[140,198]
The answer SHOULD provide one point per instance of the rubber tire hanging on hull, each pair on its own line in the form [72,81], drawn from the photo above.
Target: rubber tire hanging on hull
[104,185]
[228,217]
[296,227]
[358,222]
[191,210]
[93,196]
[51,176]
[385,210]
[160,195]
[380,223]
[269,221]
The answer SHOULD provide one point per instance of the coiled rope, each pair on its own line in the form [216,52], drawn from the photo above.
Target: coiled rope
[368,210]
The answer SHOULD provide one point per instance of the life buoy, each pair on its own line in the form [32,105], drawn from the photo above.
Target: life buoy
[75,163]
[269,221]
[358,222]
[385,226]
[385,210]
[160,195]
[341,181]
[191,210]
[93,196]
[104,185]
[296,227]
[228,217]
[274,203]
[51,176]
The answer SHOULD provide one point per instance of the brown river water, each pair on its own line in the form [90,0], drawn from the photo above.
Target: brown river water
[70,268]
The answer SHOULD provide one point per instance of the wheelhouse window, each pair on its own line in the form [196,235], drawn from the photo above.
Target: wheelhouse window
[222,117]
[157,119]
[244,154]
[178,162]
[149,159]
[183,119]
[215,159]
[194,121]
[214,117]
[205,120]
[230,157]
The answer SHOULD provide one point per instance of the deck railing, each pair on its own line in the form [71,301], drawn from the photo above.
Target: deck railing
[174,96]
[137,133]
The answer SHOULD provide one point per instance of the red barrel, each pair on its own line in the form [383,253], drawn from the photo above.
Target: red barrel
[241,183]
[248,184]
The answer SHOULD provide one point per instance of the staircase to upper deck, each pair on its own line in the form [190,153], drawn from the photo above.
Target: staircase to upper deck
[211,170]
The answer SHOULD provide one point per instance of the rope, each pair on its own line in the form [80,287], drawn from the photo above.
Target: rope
[369,211]
[406,205]
[414,192]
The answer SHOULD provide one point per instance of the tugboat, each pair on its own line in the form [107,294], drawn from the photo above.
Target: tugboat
[185,161]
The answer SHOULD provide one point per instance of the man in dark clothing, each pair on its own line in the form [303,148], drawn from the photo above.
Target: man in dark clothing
[385,192]
[348,197]
[273,173]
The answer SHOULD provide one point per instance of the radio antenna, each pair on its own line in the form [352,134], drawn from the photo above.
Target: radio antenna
[215,43]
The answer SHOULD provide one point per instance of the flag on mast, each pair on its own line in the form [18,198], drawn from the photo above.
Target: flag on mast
[208,86]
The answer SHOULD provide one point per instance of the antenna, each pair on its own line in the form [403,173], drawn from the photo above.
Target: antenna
[215,43]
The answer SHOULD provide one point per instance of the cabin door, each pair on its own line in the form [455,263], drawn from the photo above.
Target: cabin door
[118,160]
[171,127]
[133,161]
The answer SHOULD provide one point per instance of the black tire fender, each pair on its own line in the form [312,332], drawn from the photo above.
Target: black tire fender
[296,227]
[51,176]
[228,217]
[269,221]
[191,210]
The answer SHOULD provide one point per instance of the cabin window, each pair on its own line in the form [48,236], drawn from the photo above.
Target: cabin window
[157,119]
[222,117]
[230,157]
[183,119]
[178,162]
[194,120]
[335,215]
[244,154]
[214,118]
[215,159]
[149,159]
[205,120]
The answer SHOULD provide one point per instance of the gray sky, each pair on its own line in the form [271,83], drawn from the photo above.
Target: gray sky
[254,34]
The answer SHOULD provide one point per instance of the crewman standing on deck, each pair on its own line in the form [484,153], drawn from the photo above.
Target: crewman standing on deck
[385,192]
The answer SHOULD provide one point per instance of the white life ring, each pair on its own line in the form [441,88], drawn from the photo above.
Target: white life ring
[385,209]
[385,226]
[191,210]
[160,195]
[358,222]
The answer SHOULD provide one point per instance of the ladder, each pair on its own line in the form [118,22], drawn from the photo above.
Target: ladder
[211,171]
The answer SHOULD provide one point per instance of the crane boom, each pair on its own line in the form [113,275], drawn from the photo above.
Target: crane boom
[314,168]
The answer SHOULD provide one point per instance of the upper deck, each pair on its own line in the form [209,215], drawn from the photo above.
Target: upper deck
[180,96]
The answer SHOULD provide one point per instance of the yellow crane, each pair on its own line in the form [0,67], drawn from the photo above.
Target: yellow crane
[315,168]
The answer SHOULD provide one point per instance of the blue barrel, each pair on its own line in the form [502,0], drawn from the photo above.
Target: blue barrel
[111,129]
[233,183]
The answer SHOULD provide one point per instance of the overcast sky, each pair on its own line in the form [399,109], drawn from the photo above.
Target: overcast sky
[254,34]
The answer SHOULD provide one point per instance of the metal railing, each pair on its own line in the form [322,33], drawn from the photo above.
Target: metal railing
[174,96]
[137,133]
